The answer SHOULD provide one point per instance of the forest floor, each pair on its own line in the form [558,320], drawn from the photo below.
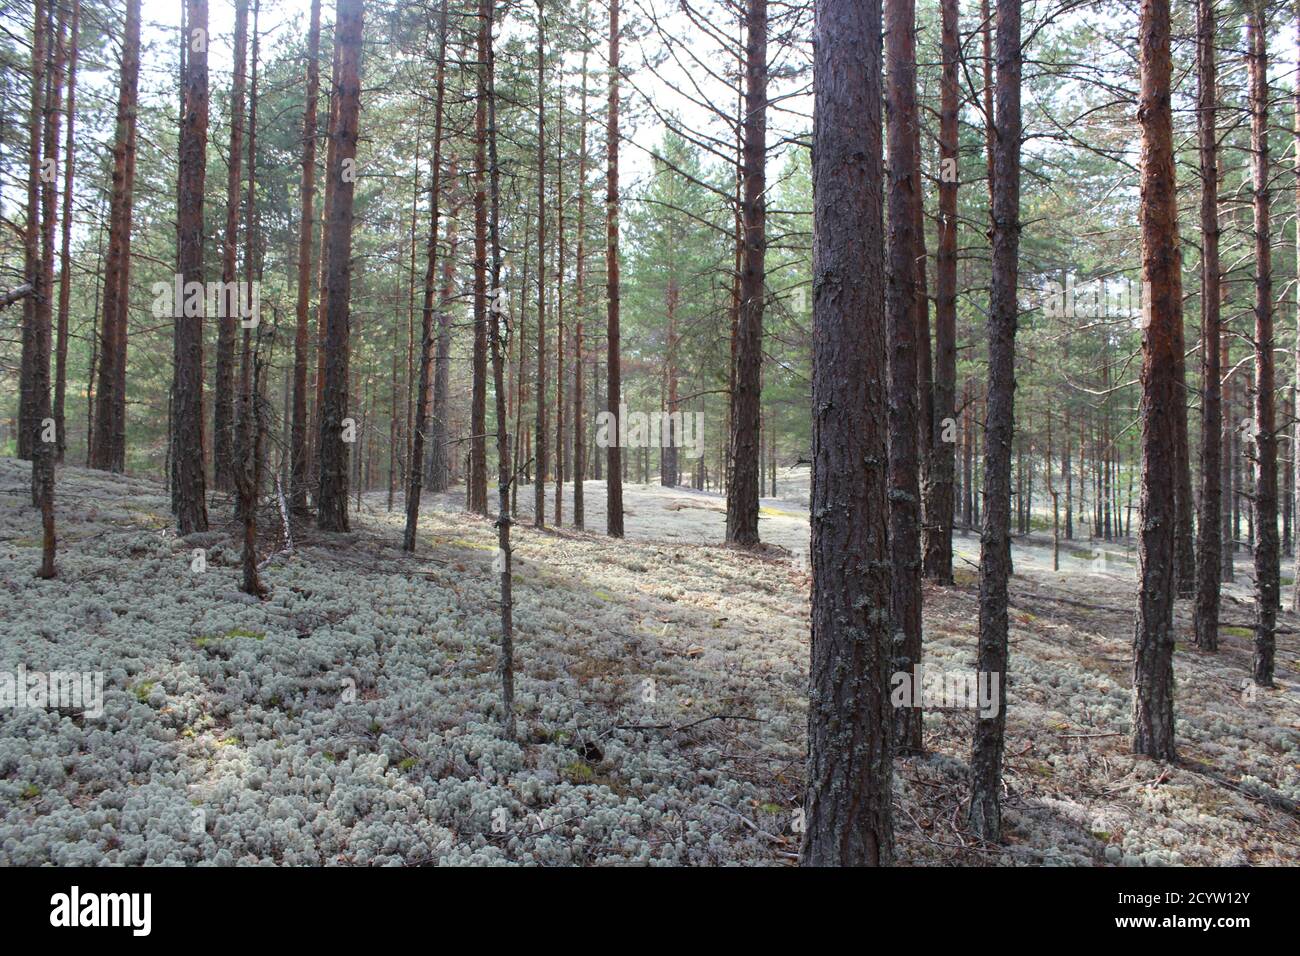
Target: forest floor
[661,691]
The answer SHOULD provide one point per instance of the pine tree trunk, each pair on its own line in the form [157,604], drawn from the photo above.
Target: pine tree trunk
[244,438]
[745,476]
[1153,642]
[540,404]
[670,470]
[995,541]
[1265,424]
[1209,543]
[901,330]
[1295,441]
[192,514]
[440,460]
[414,471]
[44,440]
[298,479]
[477,490]
[503,521]
[940,505]
[333,498]
[559,312]
[613,370]
[579,435]
[28,426]
[108,447]
[1227,486]
[65,255]
[322,306]
[223,421]
[847,805]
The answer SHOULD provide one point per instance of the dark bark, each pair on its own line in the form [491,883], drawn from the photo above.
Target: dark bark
[477,483]
[943,453]
[223,400]
[1295,441]
[44,442]
[558,470]
[332,501]
[613,369]
[1265,424]
[540,403]
[1228,459]
[245,439]
[28,426]
[302,308]
[108,448]
[1153,640]
[415,473]
[669,463]
[995,538]
[65,255]
[247,474]
[503,521]
[322,307]
[580,266]
[847,806]
[191,507]
[1209,542]
[440,459]
[901,333]
[745,477]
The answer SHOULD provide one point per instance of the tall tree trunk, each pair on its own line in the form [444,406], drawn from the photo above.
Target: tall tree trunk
[995,540]
[901,330]
[46,106]
[477,483]
[110,404]
[440,460]
[1265,425]
[414,473]
[1228,527]
[223,421]
[847,806]
[504,521]
[65,255]
[559,310]
[1209,543]
[744,480]
[940,505]
[1153,641]
[613,370]
[28,427]
[1295,442]
[1184,536]
[669,464]
[244,438]
[302,336]
[192,513]
[322,306]
[580,267]
[333,498]
[539,427]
